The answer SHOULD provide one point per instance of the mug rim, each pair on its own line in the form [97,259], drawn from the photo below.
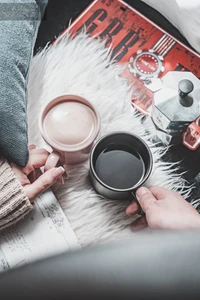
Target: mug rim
[74,98]
[144,179]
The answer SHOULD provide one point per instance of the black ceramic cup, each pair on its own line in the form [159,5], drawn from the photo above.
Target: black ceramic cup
[120,163]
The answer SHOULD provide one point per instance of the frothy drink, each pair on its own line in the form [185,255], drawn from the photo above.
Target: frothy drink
[70,124]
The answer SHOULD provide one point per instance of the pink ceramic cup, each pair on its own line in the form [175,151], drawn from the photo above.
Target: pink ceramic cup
[70,125]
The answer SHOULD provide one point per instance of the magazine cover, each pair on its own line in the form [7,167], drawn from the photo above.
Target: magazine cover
[147,52]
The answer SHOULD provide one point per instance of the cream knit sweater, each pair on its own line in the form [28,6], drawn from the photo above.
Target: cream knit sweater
[14,203]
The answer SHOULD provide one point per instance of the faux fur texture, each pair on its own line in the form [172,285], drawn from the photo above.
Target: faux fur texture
[82,66]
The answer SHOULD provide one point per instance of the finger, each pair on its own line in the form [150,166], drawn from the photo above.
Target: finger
[39,151]
[43,182]
[145,198]
[139,224]
[37,160]
[132,209]
[160,192]
[31,147]
[23,179]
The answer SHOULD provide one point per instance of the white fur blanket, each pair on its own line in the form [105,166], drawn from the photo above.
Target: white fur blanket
[80,66]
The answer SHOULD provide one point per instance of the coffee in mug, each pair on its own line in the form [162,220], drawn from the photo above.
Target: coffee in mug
[120,163]
[115,166]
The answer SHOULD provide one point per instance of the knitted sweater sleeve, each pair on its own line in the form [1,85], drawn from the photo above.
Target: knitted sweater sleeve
[14,203]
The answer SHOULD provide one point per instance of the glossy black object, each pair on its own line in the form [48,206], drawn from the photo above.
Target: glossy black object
[127,139]
[185,87]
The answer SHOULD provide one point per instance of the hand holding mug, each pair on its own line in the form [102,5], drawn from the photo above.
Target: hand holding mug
[163,210]
[34,186]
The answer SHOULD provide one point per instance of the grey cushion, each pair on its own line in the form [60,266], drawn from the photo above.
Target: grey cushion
[19,21]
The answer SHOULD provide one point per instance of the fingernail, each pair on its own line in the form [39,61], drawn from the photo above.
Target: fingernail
[61,179]
[141,191]
[59,171]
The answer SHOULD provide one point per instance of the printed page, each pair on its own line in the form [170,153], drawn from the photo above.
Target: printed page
[43,233]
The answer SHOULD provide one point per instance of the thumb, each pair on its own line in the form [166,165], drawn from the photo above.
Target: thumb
[44,182]
[145,198]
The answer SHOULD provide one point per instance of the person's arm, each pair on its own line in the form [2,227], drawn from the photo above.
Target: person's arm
[14,204]
[17,191]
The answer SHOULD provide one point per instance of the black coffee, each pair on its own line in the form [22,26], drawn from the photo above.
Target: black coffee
[119,167]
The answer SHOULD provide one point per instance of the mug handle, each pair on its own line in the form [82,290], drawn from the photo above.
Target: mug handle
[52,161]
[140,212]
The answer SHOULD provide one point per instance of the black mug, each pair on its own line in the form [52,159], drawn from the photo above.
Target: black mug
[120,163]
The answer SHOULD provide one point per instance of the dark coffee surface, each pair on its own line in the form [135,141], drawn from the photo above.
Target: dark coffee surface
[119,167]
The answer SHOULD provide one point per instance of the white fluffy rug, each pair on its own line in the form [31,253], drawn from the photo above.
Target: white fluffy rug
[80,66]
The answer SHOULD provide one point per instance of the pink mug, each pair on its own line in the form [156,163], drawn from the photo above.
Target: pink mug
[70,125]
